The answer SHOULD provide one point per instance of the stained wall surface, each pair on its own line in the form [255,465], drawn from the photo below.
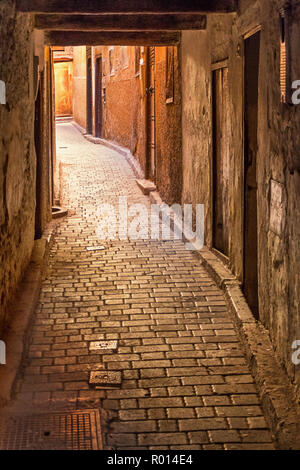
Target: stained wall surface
[63,72]
[79,85]
[168,125]
[17,151]
[277,159]
[124,101]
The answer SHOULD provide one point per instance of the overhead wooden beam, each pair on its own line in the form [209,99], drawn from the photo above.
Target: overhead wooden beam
[127,6]
[106,38]
[147,22]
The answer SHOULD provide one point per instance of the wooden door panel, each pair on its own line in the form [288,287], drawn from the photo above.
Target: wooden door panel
[250,286]
[221,155]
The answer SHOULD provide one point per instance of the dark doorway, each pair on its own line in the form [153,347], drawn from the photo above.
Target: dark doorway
[221,150]
[251,74]
[89,97]
[38,152]
[151,147]
[98,95]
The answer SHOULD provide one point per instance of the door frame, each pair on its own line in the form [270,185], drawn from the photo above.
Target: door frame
[38,145]
[98,95]
[214,67]
[250,32]
[89,92]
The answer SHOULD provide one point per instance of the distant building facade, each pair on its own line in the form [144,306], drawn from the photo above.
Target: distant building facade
[131,96]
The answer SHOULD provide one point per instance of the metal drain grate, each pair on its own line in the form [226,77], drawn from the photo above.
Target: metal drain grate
[76,430]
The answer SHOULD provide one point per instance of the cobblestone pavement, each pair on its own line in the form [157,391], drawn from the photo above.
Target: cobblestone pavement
[185,382]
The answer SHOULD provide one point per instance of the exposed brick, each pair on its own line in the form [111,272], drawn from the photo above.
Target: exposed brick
[132,415]
[160,402]
[202,424]
[238,411]
[185,381]
[199,437]
[162,438]
[224,436]
[183,413]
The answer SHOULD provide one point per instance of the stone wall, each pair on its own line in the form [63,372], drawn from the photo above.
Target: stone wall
[17,171]
[79,85]
[17,152]
[278,157]
[168,129]
[122,106]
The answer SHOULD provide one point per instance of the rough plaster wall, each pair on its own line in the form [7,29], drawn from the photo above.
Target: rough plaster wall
[122,111]
[168,130]
[196,120]
[279,161]
[278,156]
[17,155]
[79,85]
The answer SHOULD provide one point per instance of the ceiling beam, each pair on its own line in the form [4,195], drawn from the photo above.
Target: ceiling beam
[148,22]
[106,38]
[127,6]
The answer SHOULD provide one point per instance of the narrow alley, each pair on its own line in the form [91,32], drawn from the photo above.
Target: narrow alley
[150,227]
[184,383]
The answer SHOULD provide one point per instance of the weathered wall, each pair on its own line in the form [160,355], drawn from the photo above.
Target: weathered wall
[17,151]
[121,112]
[278,157]
[79,85]
[168,130]
[17,170]
[124,112]
[63,88]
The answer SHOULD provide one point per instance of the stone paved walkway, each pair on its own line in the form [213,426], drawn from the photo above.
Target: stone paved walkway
[185,381]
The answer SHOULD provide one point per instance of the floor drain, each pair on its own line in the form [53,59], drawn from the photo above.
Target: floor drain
[108,379]
[76,430]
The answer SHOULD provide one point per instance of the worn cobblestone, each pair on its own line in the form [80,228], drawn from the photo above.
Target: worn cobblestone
[185,381]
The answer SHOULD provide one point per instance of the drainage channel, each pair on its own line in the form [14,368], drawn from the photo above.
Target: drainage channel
[76,430]
[64,430]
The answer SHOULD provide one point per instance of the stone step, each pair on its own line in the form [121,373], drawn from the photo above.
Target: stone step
[146,186]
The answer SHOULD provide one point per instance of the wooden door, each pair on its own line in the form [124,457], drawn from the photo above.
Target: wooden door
[251,75]
[221,154]
[38,152]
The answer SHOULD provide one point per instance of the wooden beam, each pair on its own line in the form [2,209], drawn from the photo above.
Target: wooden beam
[106,38]
[127,6]
[147,22]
